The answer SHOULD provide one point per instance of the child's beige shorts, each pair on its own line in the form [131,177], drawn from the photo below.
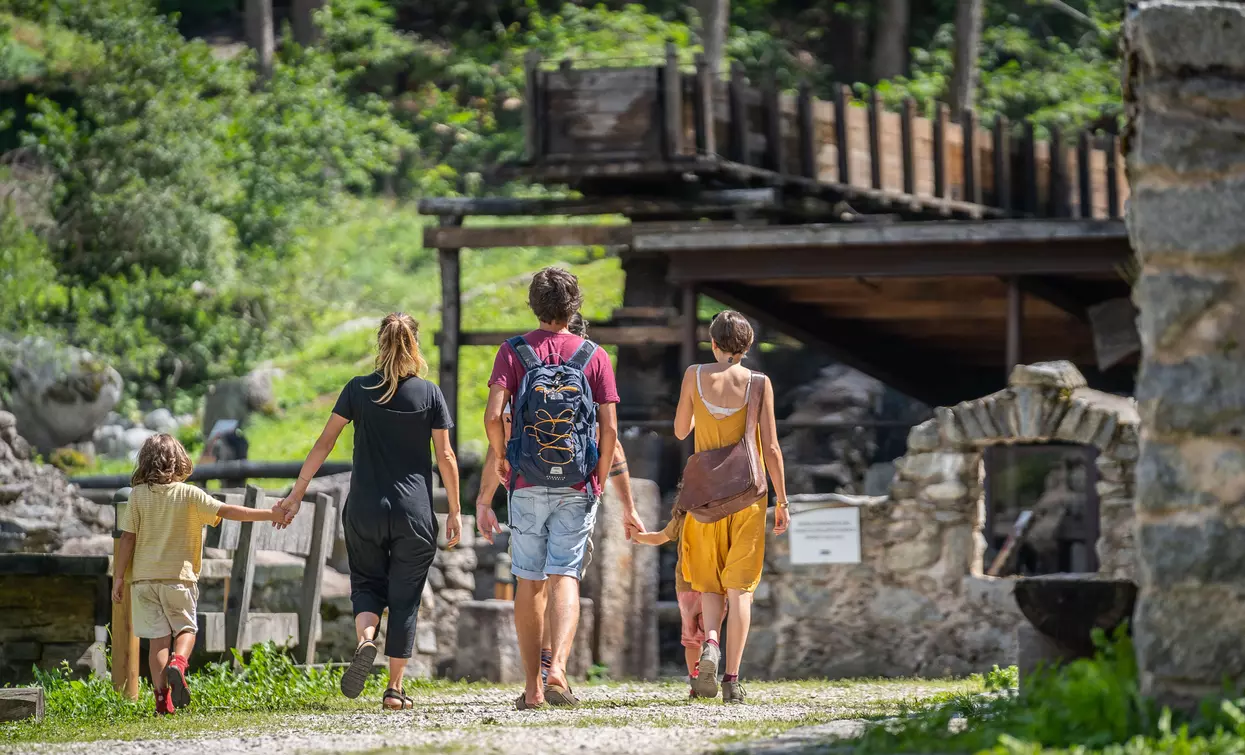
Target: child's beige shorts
[165,607]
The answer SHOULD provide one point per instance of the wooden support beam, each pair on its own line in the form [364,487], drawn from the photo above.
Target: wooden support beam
[1058,207]
[842,101]
[451,324]
[323,528]
[1002,164]
[1060,293]
[737,126]
[452,237]
[702,105]
[1015,324]
[908,145]
[808,132]
[1085,186]
[606,335]
[707,201]
[1113,177]
[1029,162]
[242,574]
[125,673]
[672,104]
[875,139]
[940,150]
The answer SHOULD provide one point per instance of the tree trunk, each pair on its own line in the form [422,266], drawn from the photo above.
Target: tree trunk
[967,43]
[890,42]
[259,33]
[306,33]
[714,24]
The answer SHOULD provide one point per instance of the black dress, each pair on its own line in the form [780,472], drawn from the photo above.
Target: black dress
[391,532]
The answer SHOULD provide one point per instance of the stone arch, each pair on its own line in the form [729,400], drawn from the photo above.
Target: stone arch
[1044,402]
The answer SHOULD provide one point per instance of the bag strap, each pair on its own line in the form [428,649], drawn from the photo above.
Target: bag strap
[756,391]
[579,360]
[527,355]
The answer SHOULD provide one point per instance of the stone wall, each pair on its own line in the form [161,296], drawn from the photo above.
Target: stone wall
[918,602]
[53,610]
[1185,90]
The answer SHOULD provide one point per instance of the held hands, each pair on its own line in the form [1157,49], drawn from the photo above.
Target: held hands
[486,522]
[283,513]
[631,522]
[782,518]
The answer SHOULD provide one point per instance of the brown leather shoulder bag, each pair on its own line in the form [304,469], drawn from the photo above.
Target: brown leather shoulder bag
[727,480]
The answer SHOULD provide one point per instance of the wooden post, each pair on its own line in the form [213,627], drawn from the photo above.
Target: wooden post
[323,524]
[875,139]
[1002,164]
[690,339]
[808,133]
[531,102]
[672,103]
[909,150]
[968,153]
[238,609]
[1113,177]
[1015,323]
[1058,176]
[774,157]
[1030,169]
[842,101]
[940,150]
[739,115]
[1084,185]
[451,326]
[704,107]
[124,642]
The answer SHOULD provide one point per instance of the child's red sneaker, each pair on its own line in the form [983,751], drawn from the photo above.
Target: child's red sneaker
[175,675]
[164,702]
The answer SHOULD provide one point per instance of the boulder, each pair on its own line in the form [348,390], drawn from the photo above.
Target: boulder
[59,395]
[237,398]
[160,420]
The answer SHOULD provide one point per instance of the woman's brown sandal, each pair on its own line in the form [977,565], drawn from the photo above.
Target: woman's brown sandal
[355,678]
[403,702]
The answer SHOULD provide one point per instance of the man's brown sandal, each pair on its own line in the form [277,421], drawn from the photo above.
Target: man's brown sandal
[403,702]
[355,678]
[523,704]
[560,696]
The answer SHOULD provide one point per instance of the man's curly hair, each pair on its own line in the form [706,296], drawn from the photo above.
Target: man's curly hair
[160,461]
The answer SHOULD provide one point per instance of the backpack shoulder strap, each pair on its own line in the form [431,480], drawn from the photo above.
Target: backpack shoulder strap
[526,354]
[583,355]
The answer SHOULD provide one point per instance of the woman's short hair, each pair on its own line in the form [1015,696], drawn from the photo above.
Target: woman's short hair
[161,460]
[554,295]
[731,331]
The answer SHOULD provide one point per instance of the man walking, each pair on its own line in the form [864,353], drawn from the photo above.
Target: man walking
[560,387]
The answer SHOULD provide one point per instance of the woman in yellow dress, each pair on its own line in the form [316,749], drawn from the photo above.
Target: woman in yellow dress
[723,560]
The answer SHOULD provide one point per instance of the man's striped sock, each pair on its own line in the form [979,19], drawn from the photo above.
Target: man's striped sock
[546,662]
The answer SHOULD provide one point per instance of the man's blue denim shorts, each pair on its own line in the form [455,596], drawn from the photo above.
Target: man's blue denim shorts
[549,531]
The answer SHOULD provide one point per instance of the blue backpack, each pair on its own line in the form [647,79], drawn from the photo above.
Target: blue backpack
[553,438]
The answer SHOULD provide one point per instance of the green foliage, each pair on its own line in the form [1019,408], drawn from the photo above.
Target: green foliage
[1002,679]
[68,460]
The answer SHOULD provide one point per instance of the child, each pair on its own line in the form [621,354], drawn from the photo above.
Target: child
[689,600]
[162,547]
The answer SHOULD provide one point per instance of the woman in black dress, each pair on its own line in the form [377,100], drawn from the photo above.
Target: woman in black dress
[391,532]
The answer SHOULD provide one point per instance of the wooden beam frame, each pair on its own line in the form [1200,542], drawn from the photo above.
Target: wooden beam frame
[455,238]
[451,323]
[882,356]
[708,201]
[606,335]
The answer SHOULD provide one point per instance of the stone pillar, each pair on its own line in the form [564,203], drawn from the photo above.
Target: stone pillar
[1185,90]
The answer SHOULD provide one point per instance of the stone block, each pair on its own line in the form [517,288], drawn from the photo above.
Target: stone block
[1176,35]
[1203,395]
[21,704]
[913,554]
[1058,374]
[1202,473]
[488,648]
[949,427]
[1031,410]
[945,493]
[924,437]
[1191,633]
[932,467]
[1199,221]
[1178,552]
[1173,302]
[1191,142]
[899,605]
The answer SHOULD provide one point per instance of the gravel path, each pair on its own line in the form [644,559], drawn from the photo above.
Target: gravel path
[615,718]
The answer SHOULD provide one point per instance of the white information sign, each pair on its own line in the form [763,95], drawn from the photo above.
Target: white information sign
[822,534]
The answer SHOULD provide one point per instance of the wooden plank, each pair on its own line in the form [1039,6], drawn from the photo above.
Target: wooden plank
[1002,164]
[488,237]
[280,628]
[531,115]
[842,101]
[672,103]
[598,112]
[701,201]
[1085,189]
[1029,165]
[324,523]
[1058,187]
[703,108]
[940,150]
[807,132]
[1113,173]
[125,650]
[875,139]
[242,577]
[909,151]
[972,177]
[621,335]
[449,261]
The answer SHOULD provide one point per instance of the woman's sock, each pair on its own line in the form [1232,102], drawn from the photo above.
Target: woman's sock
[730,677]
[713,643]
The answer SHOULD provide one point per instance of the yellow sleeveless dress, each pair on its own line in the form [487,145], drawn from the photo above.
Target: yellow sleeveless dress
[728,554]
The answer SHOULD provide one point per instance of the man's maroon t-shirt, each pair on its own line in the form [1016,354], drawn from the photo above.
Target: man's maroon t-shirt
[508,372]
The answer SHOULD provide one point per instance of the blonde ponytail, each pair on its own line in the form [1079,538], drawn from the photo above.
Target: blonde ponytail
[397,353]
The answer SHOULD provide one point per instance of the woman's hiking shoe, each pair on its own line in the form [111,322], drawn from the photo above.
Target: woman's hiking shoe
[732,692]
[706,682]
[355,678]
[175,676]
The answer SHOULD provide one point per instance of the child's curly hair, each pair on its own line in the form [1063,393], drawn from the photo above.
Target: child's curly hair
[160,461]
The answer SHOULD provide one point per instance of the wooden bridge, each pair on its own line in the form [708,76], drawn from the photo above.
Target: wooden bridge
[931,254]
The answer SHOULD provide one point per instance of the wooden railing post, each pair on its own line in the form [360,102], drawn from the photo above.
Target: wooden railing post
[875,139]
[739,115]
[703,107]
[531,114]
[1030,169]
[842,101]
[124,642]
[1113,177]
[672,103]
[909,148]
[972,180]
[1059,207]
[1002,164]
[808,132]
[451,325]
[940,150]
[774,157]
[1085,186]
